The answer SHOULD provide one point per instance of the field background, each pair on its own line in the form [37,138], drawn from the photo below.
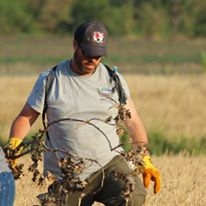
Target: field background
[168,83]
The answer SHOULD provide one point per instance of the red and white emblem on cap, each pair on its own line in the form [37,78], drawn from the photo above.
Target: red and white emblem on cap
[98,37]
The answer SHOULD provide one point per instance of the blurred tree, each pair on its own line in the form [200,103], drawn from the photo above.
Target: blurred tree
[55,15]
[175,9]
[200,20]
[119,17]
[122,17]
[34,8]
[194,18]
[13,17]
[89,9]
[153,21]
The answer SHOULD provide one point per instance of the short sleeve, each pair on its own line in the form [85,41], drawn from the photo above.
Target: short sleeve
[37,95]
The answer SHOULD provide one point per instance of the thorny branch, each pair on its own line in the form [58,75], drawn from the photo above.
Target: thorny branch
[70,165]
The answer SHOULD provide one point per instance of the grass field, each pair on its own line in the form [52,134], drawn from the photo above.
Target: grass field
[168,85]
[30,54]
[183,183]
[173,104]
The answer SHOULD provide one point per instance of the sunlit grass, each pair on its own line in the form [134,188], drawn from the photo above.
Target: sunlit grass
[14,91]
[182,184]
[172,105]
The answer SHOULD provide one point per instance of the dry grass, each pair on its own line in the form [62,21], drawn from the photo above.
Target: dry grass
[183,183]
[14,91]
[174,103]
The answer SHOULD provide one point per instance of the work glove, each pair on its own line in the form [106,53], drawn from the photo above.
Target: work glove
[11,150]
[150,173]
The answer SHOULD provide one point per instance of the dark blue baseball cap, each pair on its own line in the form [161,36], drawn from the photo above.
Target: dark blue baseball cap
[92,38]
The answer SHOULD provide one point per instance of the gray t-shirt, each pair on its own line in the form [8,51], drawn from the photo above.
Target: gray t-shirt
[85,98]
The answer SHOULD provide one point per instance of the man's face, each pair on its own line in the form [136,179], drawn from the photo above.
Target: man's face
[84,64]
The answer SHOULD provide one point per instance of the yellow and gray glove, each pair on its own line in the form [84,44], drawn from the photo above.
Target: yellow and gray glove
[150,173]
[11,150]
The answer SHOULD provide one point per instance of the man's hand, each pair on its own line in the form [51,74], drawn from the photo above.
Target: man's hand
[150,173]
[11,150]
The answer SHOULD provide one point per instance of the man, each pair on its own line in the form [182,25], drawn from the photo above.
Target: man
[82,90]
[7,185]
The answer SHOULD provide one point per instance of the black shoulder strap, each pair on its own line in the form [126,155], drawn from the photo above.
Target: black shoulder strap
[118,86]
[48,84]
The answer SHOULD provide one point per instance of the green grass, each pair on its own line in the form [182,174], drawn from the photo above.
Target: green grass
[133,55]
[42,60]
[159,144]
[144,58]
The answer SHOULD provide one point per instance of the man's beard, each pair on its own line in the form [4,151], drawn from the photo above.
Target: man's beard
[78,64]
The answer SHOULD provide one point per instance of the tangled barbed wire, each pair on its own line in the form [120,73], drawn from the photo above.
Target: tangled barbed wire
[70,165]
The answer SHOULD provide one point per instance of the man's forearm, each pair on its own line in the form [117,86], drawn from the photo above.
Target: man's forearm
[20,127]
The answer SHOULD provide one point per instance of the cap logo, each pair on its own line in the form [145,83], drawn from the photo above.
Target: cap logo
[98,37]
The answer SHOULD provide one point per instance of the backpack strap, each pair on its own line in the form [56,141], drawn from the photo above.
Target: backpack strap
[49,80]
[118,85]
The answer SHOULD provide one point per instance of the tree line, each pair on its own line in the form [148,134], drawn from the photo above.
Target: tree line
[150,18]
